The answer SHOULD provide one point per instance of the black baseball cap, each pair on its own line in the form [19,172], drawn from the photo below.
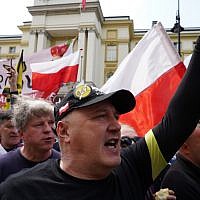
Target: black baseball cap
[84,94]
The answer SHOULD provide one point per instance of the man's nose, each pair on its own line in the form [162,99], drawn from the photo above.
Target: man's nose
[47,127]
[114,125]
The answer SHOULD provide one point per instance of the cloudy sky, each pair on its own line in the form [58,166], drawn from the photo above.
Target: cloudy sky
[143,12]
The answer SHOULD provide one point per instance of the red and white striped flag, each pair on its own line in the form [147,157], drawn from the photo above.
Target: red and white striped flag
[49,54]
[151,71]
[48,76]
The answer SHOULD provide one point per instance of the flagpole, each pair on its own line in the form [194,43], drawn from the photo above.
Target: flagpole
[11,63]
[81,65]
[85,54]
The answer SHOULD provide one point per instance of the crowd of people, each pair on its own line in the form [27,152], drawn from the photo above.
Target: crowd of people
[97,157]
[33,120]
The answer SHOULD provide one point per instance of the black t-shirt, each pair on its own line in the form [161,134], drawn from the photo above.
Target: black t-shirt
[184,178]
[48,181]
[13,162]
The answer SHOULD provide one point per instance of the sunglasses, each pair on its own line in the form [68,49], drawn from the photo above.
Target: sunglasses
[126,141]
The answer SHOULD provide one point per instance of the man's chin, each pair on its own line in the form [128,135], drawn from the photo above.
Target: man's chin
[112,163]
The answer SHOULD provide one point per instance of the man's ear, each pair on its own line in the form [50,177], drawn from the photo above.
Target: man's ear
[63,131]
[185,148]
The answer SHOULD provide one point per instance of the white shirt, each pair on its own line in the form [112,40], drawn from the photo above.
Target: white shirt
[2,150]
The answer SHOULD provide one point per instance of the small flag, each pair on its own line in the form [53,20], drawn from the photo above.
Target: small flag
[83,4]
[49,76]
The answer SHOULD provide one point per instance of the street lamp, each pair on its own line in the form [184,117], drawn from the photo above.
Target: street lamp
[177,29]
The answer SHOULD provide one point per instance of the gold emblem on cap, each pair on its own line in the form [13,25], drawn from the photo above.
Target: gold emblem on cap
[82,91]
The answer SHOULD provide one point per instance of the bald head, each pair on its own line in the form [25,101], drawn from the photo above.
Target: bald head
[191,148]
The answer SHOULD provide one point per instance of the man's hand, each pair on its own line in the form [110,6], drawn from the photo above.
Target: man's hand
[12,75]
[165,194]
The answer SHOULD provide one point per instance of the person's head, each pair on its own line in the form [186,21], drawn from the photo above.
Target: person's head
[9,134]
[88,128]
[127,135]
[127,130]
[34,120]
[191,148]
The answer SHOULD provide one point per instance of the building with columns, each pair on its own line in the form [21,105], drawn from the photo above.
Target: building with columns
[105,40]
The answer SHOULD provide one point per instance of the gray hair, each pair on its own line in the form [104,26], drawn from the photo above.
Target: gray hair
[25,108]
[5,115]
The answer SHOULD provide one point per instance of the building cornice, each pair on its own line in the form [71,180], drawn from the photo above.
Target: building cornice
[67,9]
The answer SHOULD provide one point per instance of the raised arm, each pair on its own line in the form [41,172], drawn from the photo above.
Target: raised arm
[180,119]
[183,111]
[13,84]
[12,80]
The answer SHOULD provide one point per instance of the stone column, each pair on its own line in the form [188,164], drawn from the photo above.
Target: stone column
[42,40]
[90,66]
[33,40]
[91,55]
[81,45]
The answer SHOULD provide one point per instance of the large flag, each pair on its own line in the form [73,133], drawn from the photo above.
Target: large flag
[49,76]
[151,71]
[187,60]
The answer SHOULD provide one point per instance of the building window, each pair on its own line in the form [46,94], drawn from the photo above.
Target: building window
[12,49]
[111,53]
[112,34]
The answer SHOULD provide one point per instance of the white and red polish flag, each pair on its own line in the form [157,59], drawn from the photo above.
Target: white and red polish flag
[49,54]
[151,71]
[48,77]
